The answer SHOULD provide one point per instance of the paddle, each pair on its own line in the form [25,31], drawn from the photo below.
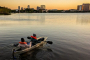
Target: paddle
[49,42]
[15,45]
[28,37]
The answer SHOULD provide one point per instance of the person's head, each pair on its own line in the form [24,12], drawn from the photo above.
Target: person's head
[22,40]
[34,35]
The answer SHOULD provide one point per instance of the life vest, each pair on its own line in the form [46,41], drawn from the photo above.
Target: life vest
[22,42]
[33,37]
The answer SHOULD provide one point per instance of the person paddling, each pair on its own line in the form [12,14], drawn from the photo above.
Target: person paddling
[34,39]
[23,44]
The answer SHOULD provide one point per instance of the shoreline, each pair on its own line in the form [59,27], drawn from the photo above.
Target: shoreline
[48,13]
[5,13]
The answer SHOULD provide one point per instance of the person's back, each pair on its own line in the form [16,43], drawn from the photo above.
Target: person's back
[23,44]
[34,39]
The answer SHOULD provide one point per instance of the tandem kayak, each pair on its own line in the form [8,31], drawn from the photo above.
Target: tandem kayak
[31,48]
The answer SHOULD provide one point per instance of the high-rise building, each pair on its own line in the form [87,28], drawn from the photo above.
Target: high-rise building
[43,7]
[38,7]
[79,8]
[18,7]
[28,6]
[24,8]
[86,7]
[21,8]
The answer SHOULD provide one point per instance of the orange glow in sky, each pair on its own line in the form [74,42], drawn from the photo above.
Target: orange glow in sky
[50,4]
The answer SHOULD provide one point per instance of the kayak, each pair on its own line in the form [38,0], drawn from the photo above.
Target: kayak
[31,48]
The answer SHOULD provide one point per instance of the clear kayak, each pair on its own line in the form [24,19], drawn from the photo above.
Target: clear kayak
[31,48]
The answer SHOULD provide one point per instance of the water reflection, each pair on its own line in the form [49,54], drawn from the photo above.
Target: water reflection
[36,54]
[22,19]
[70,37]
[41,17]
[31,17]
[83,19]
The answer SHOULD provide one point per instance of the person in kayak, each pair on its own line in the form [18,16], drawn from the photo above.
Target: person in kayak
[23,44]
[34,39]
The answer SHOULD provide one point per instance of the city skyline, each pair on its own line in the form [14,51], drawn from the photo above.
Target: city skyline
[55,4]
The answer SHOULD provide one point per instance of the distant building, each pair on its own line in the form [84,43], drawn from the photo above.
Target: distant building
[18,7]
[21,8]
[24,8]
[54,10]
[32,8]
[72,10]
[38,7]
[43,7]
[86,7]
[79,8]
[63,11]
[28,6]
[16,10]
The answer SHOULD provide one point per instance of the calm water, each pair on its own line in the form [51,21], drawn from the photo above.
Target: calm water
[70,33]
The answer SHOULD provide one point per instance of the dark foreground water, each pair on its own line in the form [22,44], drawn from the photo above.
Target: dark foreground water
[70,33]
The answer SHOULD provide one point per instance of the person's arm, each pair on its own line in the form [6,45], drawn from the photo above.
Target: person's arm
[19,45]
[28,46]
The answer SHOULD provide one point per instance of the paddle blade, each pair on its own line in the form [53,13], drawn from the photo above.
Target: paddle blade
[49,42]
[28,37]
[15,45]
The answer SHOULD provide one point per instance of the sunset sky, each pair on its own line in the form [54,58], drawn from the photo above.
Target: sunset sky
[50,4]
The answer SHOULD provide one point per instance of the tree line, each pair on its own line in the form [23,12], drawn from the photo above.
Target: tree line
[5,11]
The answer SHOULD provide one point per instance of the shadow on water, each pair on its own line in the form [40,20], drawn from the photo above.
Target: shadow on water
[36,54]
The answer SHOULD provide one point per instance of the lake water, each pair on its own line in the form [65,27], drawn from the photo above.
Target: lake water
[70,33]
